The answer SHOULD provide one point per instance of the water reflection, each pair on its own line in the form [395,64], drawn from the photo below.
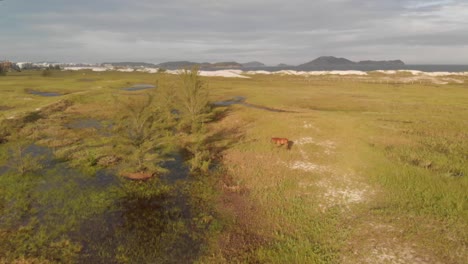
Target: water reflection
[240,100]
[112,219]
[138,87]
[45,94]
[85,123]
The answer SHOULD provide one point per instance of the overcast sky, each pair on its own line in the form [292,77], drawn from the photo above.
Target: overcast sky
[270,31]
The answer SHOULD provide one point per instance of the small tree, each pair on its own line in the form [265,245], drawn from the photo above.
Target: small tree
[143,134]
[47,72]
[192,100]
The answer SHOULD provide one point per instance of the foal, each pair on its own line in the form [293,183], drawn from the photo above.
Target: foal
[280,141]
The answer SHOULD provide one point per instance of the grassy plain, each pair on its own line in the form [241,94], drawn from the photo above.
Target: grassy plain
[377,172]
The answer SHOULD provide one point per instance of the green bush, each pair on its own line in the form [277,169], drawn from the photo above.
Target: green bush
[47,72]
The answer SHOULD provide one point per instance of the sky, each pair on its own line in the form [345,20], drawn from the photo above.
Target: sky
[270,31]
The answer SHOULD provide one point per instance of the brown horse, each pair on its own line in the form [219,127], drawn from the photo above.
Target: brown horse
[280,141]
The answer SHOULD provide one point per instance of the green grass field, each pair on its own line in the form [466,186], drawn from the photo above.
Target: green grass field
[377,172]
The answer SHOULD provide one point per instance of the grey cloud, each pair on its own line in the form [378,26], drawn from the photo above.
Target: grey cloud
[271,30]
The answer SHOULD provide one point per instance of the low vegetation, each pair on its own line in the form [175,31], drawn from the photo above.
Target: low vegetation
[376,173]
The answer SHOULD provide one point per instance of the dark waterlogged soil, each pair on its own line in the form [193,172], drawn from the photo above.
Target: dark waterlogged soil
[44,94]
[85,123]
[241,100]
[113,219]
[139,87]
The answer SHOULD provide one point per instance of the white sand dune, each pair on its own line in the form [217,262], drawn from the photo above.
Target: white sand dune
[310,73]
[338,73]
[96,69]
[435,74]
[148,70]
[126,70]
[258,72]
[221,73]
[224,73]
[387,71]
[241,74]
[414,72]
[290,72]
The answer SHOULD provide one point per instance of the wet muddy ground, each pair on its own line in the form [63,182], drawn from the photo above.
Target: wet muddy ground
[110,219]
[241,100]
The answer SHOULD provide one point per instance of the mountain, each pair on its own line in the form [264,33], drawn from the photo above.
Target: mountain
[322,63]
[253,64]
[334,63]
[327,61]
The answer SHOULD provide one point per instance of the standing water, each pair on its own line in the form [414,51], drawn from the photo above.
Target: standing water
[138,87]
[101,217]
[45,94]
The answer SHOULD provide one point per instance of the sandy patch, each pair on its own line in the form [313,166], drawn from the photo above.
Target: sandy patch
[307,125]
[308,166]
[344,195]
[401,255]
[342,191]
[384,245]
[309,140]
[304,140]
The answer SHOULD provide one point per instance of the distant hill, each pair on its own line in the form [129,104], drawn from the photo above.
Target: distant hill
[334,63]
[130,64]
[319,64]
[222,65]
[174,65]
[384,63]
[326,61]
[253,64]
